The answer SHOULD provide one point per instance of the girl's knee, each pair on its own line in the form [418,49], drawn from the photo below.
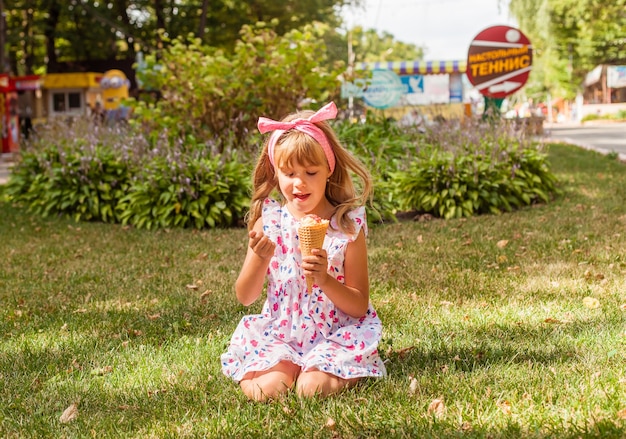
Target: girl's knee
[270,384]
[316,383]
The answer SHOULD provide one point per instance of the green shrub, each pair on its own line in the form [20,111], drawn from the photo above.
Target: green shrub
[448,170]
[196,192]
[620,115]
[212,94]
[83,184]
[383,147]
[499,173]
[119,176]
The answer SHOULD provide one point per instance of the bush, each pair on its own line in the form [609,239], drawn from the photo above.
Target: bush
[211,94]
[191,191]
[94,173]
[619,115]
[383,147]
[119,175]
[473,170]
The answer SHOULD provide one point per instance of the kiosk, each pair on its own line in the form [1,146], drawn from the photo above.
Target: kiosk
[9,120]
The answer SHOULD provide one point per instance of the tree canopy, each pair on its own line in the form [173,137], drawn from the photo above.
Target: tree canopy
[371,46]
[570,37]
[42,33]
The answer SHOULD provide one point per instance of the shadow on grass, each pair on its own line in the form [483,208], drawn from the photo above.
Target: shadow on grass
[481,347]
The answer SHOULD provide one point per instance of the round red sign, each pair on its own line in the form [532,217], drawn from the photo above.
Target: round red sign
[499,61]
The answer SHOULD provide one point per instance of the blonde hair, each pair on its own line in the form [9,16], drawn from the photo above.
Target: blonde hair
[294,146]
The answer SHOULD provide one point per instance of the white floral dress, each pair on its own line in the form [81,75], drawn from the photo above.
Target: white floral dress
[304,328]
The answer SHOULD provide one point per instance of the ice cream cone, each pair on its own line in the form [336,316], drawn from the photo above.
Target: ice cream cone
[311,236]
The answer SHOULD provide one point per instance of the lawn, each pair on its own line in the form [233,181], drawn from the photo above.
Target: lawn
[495,326]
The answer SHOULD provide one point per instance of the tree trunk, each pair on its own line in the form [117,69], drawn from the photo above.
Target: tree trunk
[54,11]
[160,22]
[122,10]
[205,10]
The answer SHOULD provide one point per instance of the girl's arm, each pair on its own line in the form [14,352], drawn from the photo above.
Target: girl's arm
[249,284]
[352,297]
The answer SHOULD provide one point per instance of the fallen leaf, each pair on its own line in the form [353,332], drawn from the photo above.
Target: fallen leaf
[412,385]
[204,295]
[191,287]
[154,316]
[505,406]
[330,424]
[623,307]
[591,302]
[402,352]
[436,407]
[466,426]
[156,392]
[102,370]
[502,243]
[69,414]
[551,320]
[622,414]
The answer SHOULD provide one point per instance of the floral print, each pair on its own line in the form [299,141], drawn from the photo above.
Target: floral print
[304,328]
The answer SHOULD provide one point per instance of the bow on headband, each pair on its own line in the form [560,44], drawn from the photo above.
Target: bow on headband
[307,126]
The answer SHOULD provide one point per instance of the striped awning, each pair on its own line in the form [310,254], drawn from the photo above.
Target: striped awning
[417,67]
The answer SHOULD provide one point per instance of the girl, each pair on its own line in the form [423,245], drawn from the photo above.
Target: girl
[326,340]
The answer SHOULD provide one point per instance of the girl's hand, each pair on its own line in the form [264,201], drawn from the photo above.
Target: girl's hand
[316,266]
[261,245]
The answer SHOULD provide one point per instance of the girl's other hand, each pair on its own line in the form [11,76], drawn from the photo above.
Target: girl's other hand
[316,266]
[261,245]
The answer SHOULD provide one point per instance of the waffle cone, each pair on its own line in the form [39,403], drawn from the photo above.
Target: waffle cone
[311,237]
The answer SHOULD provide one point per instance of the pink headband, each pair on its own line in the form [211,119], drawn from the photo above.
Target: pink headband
[307,126]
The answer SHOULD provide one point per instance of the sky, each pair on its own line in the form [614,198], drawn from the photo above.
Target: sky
[445,28]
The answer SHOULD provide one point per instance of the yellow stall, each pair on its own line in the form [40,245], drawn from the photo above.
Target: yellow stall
[69,94]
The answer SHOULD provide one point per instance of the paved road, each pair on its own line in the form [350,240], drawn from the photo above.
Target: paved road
[604,137]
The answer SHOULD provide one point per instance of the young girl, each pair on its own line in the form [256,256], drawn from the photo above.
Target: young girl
[322,341]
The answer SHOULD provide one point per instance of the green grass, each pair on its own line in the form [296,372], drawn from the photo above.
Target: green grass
[129,324]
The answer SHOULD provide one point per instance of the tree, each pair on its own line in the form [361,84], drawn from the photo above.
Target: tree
[43,33]
[210,93]
[371,46]
[569,38]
